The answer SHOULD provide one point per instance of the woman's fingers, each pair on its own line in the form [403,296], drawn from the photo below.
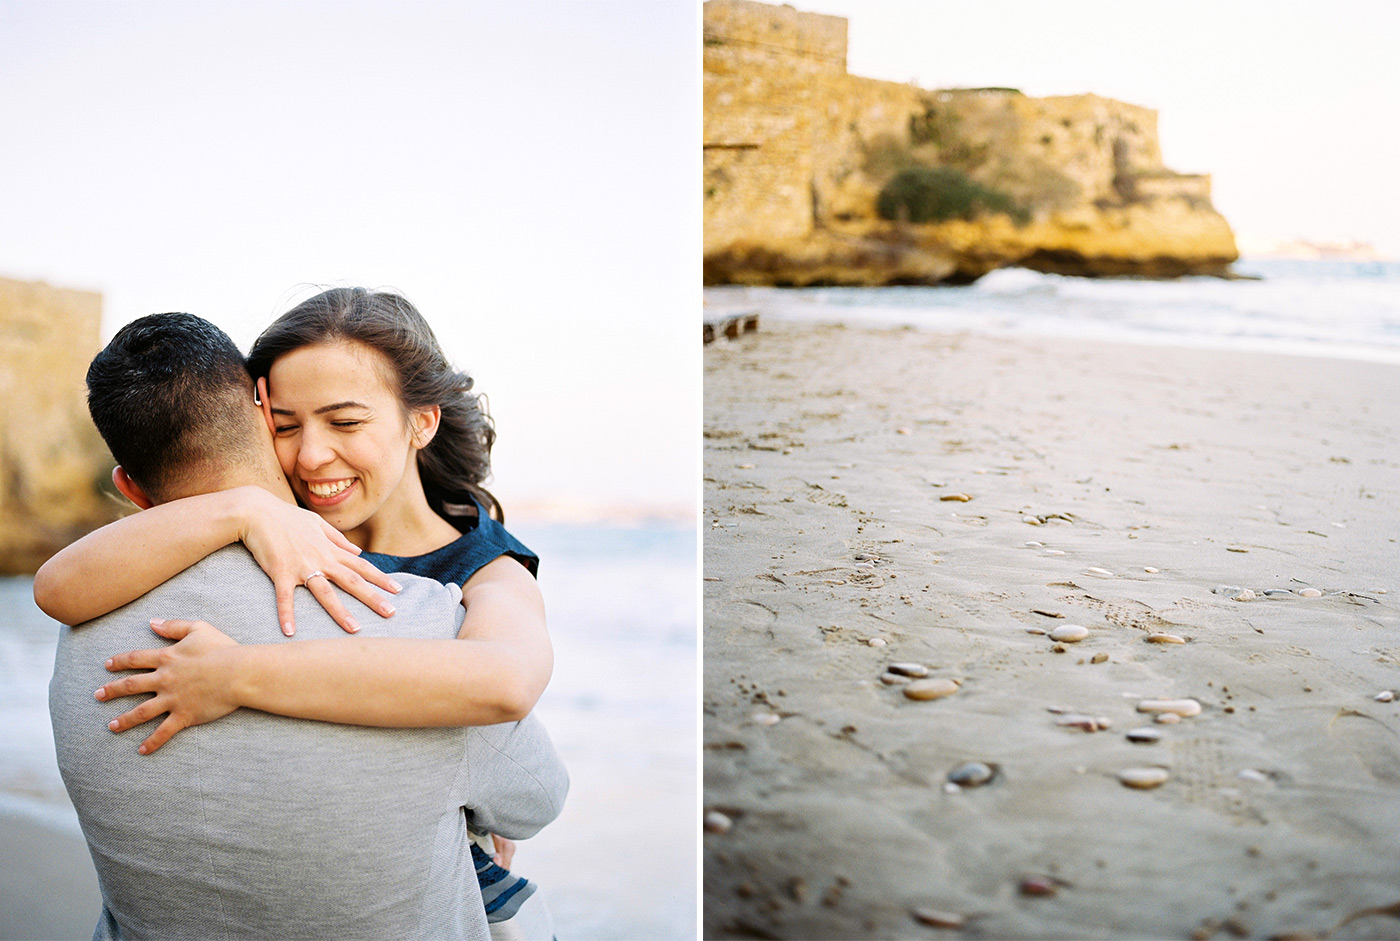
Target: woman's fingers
[359,584]
[163,733]
[135,660]
[370,573]
[337,537]
[143,713]
[505,851]
[324,592]
[127,686]
[286,604]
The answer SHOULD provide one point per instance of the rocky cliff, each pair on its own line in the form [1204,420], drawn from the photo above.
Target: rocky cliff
[52,461]
[797,154]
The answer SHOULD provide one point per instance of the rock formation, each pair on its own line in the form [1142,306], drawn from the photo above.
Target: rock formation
[797,151]
[53,464]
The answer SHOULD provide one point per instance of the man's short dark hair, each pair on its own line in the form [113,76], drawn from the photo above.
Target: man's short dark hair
[170,396]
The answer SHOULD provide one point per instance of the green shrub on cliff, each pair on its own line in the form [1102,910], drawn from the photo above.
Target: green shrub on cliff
[938,194]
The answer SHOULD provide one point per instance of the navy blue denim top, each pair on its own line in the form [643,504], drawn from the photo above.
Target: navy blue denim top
[483,540]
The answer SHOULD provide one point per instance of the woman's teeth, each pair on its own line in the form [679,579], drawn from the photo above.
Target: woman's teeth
[329,490]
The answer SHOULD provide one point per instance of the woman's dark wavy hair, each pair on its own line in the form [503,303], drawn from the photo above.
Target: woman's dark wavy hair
[458,458]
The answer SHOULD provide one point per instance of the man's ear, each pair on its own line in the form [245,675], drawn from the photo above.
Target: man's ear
[261,399]
[424,423]
[130,488]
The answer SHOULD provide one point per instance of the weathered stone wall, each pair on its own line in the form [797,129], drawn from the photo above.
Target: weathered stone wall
[796,152]
[51,458]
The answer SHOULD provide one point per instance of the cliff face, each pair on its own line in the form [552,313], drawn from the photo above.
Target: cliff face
[797,152]
[52,460]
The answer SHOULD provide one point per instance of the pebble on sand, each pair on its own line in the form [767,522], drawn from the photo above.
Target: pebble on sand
[931,689]
[956,497]
[1165,639]
[1385,695]
[972,774]
[716,822]
[1099,657]
[877,641]
[893,679]
[1031,520]
[1144,736]
[1180,707]
[1245,595]
[766,718]
[1309,593]
[1150,570]
[916,670]
[1143,778]
[1069,633]
[1039,886]
[1168,718]
[937,919]
[1100,572]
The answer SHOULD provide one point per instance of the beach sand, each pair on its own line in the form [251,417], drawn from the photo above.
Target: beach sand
[1132,490]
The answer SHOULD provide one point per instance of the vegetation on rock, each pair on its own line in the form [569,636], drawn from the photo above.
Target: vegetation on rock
[939,194]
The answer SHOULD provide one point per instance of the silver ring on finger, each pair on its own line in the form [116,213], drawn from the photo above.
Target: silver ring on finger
[317,574]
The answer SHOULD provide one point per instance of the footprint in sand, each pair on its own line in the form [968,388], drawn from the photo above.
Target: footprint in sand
[1373,743]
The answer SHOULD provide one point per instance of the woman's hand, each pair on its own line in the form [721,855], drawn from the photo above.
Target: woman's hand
[193,681]
[293,545]
[505,850]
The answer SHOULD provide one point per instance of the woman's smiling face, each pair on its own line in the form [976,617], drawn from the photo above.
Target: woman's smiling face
[341,433]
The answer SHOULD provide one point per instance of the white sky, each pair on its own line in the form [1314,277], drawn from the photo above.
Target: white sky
[525,172]
[1290,106]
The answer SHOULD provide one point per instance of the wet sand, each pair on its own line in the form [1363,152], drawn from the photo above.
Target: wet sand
[1131,490]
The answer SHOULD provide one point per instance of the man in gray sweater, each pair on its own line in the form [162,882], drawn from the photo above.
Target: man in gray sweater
[258,825]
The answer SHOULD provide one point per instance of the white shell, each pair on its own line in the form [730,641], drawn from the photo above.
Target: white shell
[1069,633]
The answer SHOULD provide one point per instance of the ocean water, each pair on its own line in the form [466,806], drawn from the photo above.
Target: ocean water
[1336,309]
[621,708]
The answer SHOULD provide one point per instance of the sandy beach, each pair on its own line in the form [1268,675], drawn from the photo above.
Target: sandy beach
[878,496]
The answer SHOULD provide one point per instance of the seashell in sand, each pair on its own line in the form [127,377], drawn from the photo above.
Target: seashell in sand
[1245,595]
[916,670]
[972,774]
[1385,695]
[716,822]
[1143,778]
[1309,593]
[1069,633]
[1150,570]
[1031,520]
[766,718]
[931,689]
[1099,657]
[1100,572]
[937,919]
[1165,639]
[1180,707]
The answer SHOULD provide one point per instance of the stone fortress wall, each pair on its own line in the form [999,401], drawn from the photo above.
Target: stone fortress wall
[52,460]
[791,142]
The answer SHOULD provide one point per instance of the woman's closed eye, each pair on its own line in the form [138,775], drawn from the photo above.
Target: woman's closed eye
[284,429]
[347,423]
